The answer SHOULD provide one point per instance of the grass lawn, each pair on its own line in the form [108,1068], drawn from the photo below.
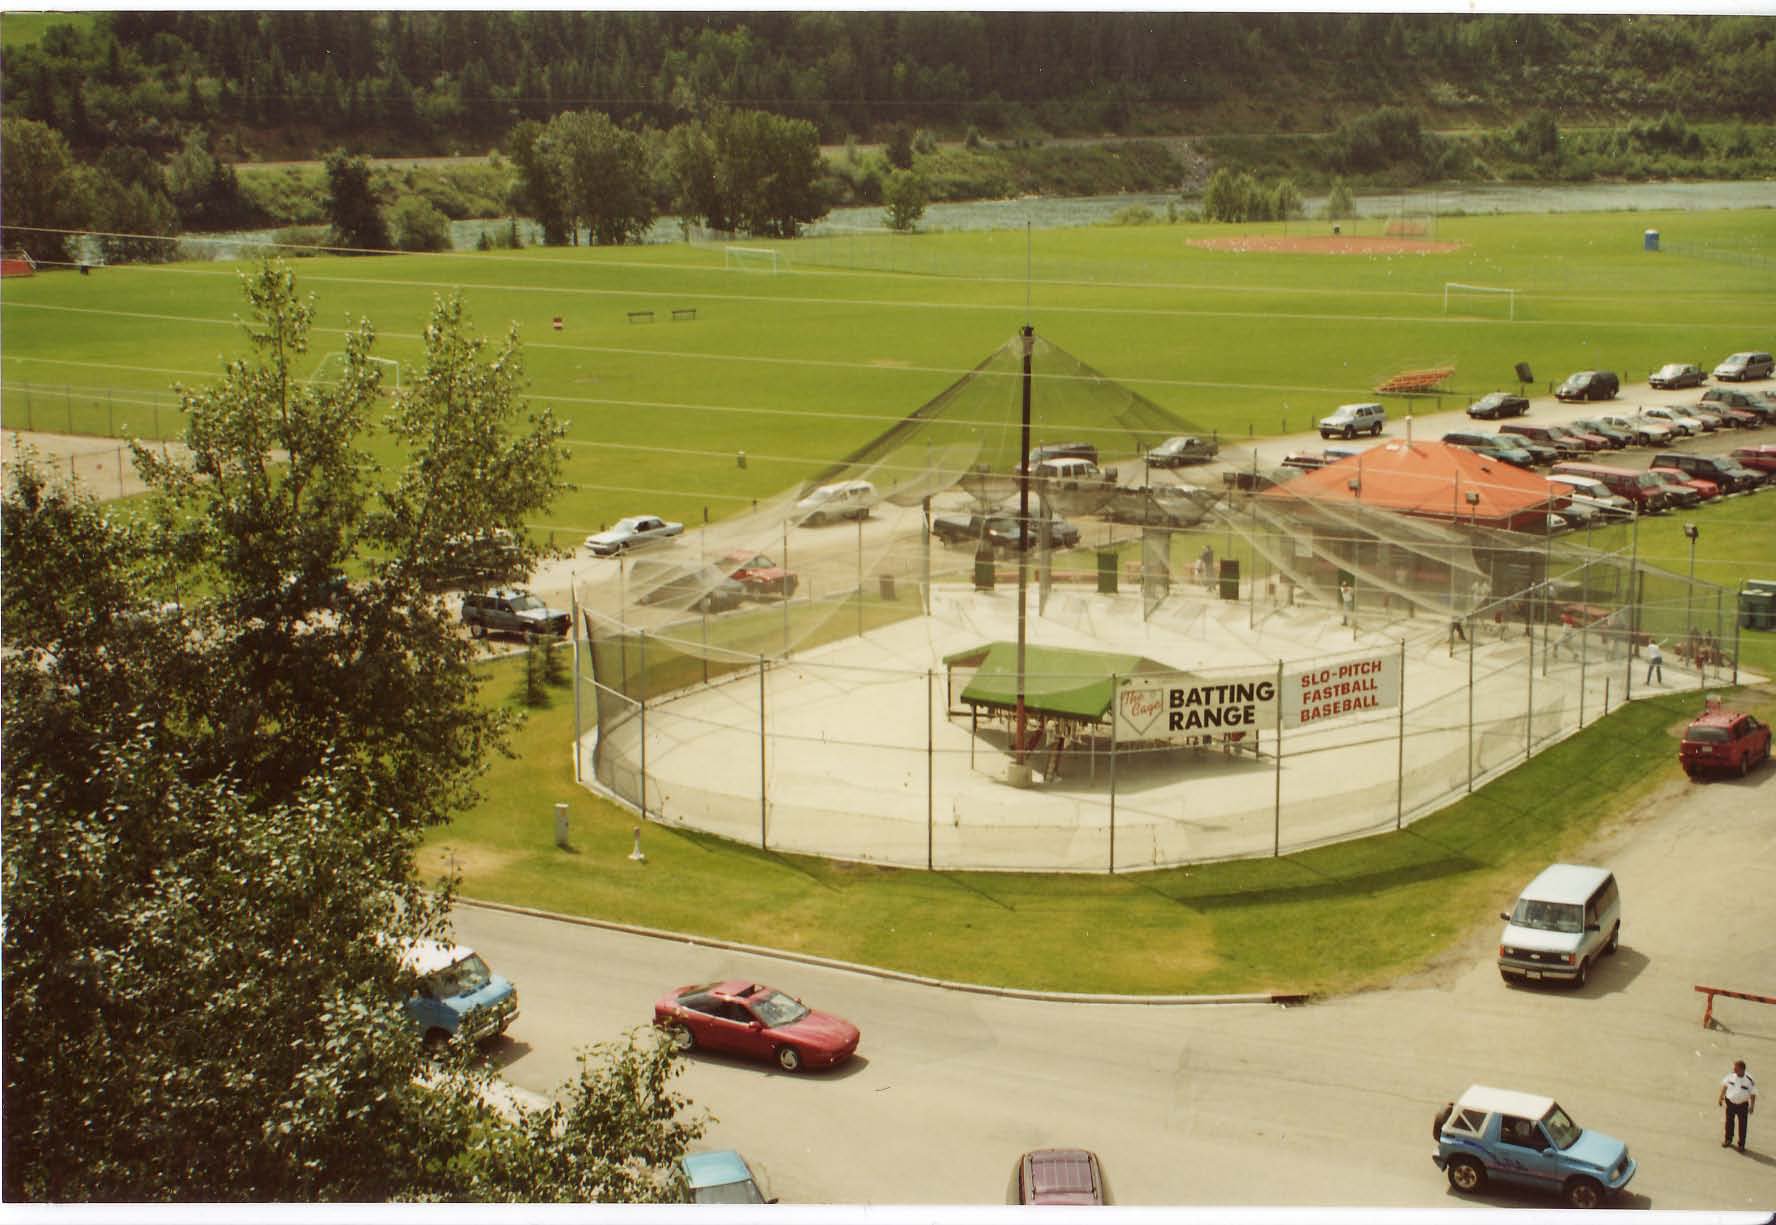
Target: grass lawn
[1332,919]
[799,369]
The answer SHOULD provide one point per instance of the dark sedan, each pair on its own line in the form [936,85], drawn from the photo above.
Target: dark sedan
[1492,406]
[737,1017]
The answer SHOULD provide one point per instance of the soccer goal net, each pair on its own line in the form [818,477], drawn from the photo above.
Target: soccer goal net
[1488,301]
[331,370]
[751,259]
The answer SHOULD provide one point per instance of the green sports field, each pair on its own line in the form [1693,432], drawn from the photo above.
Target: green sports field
[801,366]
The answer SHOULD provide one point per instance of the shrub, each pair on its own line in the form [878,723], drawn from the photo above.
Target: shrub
[1136,214]
[415,225]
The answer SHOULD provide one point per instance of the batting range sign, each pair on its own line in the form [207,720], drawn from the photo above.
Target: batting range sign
[1181,707]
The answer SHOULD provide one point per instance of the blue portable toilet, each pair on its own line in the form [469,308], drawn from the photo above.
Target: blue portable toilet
[1652,240]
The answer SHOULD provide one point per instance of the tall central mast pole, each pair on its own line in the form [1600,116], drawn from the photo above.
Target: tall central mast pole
[1029,339]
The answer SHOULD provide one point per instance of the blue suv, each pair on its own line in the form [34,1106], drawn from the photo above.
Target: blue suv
[458,997]
[1528,1141]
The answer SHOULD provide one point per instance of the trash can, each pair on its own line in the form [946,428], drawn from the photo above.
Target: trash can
[888,588]
[1106,572]
[1230,578]
[1651,240]
[983,569]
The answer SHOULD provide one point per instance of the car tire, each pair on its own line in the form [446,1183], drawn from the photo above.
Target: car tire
[1466,1175]
[682,1039]
[477,630]
[1615,941]
[789,1059]
[1350,431]
[1583,1193]
[1584,974]
[1376,432]
[1744,765]
[436,1042]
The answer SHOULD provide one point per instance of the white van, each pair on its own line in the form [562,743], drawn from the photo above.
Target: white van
[840,500]
[1565,919]
[1068,473]
[1349,420]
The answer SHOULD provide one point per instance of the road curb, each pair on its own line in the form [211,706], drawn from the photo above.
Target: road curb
[1017,993]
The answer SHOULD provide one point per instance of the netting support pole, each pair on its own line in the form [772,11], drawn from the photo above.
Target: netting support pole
[926,550]
[930,756]
[1276,848]
[1400,764]
[786,593]
[641,689]
[1115,698]
[1529,708]
[860,573]
[1029,346]
[764,790]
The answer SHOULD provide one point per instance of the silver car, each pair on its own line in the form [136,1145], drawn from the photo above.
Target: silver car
[630,532]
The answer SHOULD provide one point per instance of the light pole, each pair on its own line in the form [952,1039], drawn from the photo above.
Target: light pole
[1028,336]
[1355,484]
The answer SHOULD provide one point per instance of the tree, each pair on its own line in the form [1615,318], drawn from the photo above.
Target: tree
[603,175]
[767,171]
[417,225]
[351,205]
[905,195]
[1285,200]
[203,905]
[898,146]
[259,548]
[1338,203]
[540,193]
[36,189]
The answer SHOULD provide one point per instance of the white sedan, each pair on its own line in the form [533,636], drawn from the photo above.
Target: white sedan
[627,533]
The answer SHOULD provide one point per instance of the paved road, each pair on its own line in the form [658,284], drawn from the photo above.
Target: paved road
[1323,1104]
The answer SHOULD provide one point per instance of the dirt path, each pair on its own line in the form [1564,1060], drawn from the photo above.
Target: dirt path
[103,465]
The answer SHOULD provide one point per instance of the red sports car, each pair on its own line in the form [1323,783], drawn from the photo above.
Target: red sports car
[761,576]
[736,1017]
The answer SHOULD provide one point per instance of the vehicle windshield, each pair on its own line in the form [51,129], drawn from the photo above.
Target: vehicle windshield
[1561,1129]
[466,976]
[526,603]
[728,1193]
[1549,916]
[776,1008]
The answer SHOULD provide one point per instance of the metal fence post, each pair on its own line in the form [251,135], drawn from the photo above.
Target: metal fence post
[1115,690]
[1472,634]
[1277,802]
[930,770]
[1400,765]
[764,789]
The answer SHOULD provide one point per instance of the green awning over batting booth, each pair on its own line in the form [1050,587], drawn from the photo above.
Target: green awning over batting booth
[1059,682]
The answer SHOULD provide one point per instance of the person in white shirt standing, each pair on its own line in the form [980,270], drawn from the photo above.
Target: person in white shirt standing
[1738,1092]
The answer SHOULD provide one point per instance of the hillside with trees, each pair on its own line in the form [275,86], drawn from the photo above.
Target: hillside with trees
[136,122]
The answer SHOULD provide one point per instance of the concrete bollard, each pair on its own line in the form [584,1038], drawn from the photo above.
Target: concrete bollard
[561,826]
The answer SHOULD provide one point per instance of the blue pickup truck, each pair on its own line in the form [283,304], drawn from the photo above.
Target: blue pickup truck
[1525,1140]
[457,999]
